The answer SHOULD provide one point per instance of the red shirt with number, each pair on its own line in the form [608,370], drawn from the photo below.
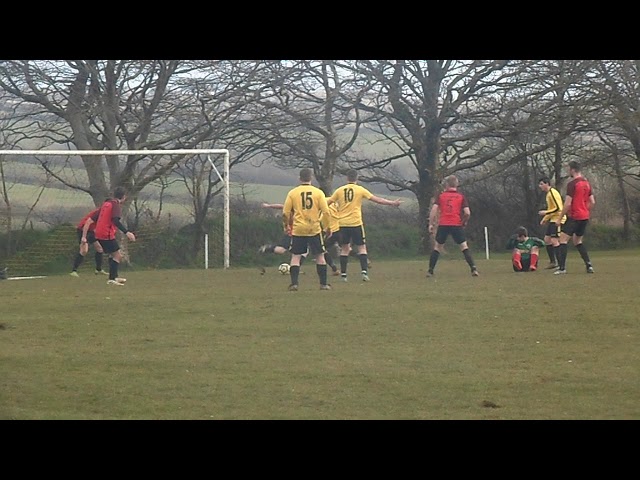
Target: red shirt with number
[451,202]
[579,190]
[105,226]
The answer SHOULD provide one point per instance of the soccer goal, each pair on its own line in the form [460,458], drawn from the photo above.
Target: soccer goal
[224,176]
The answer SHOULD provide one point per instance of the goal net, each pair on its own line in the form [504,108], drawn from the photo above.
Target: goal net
[39,211]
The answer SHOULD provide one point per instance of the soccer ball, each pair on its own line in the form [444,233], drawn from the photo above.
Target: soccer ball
[284,268]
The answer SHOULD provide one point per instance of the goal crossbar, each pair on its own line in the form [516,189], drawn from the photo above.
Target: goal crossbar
[186,151]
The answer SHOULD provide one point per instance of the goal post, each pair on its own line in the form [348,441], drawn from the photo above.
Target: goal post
[194,151]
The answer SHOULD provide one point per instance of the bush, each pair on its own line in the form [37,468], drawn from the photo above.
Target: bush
[605,237]
[388,237]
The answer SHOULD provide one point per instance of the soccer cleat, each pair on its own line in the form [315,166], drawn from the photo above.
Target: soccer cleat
[533,268]
[263,248]
[474,272]
[120,279]
[590,269]
[114,282]
[74,274]
[365,277]
[551,266]
[325,287]
[343,278]
[518,265]
[98,272]
[430,273]
[293,288]
[336,273]
[560,272]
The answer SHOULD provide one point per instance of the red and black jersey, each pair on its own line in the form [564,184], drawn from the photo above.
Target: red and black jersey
[579,190]
[110,212]
[92,227]
[451,202]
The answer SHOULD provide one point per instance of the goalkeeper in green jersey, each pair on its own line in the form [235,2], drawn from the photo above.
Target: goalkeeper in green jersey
[524,256]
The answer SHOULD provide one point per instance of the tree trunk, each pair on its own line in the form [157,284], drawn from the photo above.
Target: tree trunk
[198,233]
[557,164]
[425,193]
[626,208]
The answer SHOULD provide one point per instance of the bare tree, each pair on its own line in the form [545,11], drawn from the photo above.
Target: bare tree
[615,87]
[302,119]
[451,117]
[117,104]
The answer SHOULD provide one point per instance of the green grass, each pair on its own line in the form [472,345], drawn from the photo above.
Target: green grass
[196,344]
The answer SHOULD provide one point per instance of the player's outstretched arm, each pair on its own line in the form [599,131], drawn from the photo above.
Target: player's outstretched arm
[384,201]
[276,206]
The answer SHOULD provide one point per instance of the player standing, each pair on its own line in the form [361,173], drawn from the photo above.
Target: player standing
[549,217]
[578,203]
[451,213]
[349,198]
[303,208]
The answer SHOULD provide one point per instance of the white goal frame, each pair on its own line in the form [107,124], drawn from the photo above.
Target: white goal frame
[193,151]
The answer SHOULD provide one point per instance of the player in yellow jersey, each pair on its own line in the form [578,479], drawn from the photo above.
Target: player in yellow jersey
[549,217]
[333,238]
[349,198]
[303,208]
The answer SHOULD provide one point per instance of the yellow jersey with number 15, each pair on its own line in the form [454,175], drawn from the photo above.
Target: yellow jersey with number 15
[303,209]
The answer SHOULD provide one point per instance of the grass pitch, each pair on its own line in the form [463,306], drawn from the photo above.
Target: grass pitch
[215,344]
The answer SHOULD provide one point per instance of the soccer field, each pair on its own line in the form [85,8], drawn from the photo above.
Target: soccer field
[235,344]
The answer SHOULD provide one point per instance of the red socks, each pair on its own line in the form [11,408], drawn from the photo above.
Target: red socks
[517,257]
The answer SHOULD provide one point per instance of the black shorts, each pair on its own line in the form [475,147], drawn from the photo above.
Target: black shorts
[333,239]
[285,242]
[352,235]
[552,230]
[575,227]
[109,246]
[526,264]
[300,245]
[457,233]
[91,236]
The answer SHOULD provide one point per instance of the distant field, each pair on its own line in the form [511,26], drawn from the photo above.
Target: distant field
[235,344]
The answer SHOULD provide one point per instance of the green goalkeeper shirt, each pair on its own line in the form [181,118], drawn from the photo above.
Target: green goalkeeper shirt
[525,246]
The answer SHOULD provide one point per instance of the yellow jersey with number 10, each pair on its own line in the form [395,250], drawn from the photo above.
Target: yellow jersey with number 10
[349,199]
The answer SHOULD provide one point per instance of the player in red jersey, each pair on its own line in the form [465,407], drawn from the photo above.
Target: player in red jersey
[451,213]
[107,224]
[577,206]
[85,231]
